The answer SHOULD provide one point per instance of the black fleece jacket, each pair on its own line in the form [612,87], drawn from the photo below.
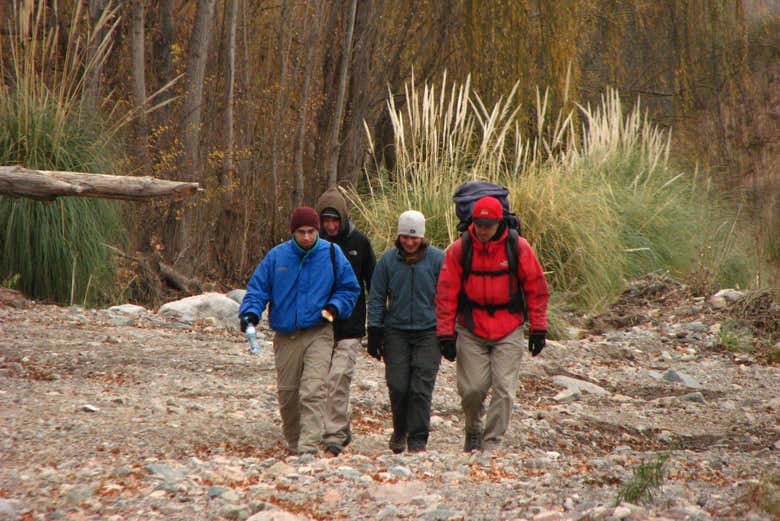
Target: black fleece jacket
[357,248]
[358,251]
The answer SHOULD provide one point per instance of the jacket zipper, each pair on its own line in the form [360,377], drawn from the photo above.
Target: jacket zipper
[411,298]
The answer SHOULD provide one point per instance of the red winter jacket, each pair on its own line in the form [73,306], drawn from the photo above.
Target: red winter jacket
[486,290]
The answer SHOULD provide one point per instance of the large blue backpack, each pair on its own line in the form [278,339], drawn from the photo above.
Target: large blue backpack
[464,198]
[469,193]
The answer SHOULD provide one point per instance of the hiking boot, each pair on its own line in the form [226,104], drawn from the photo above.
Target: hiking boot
[397,443]
[348,439]
[333,450]
[473,441]
[417,447]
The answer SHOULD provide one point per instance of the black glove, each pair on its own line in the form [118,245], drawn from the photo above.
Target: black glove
[248,318]
[447,347]
[375,335]
[330,308]
[536,341]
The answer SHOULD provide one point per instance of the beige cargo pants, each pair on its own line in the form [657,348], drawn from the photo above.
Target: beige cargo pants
[342,369]
[483,365]
[302,360]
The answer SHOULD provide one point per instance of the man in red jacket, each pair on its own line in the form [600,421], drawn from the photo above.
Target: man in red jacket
[480,316]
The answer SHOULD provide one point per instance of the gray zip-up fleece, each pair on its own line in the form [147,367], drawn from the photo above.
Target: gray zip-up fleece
[402,295]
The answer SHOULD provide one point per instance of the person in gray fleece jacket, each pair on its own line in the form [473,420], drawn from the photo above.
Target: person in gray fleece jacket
[402,329]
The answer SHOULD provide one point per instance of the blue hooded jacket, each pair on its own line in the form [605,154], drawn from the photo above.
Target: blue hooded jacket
[297,284]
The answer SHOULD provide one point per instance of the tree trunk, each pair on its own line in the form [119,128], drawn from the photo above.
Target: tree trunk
[227,176]
[193,100]
[363,87]
[281,104]
[332,158]
[229,244]
[190,168]
[139,77]
[163,42]
[331,53]
[92,87]
[312,39]
[17,181]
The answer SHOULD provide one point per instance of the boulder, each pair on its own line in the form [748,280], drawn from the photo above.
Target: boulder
[213,306]
[725,298]
[237,295]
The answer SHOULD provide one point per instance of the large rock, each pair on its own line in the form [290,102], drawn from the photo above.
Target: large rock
[237,295]
[725,297]
[578,385]
[215,306]
[127,309]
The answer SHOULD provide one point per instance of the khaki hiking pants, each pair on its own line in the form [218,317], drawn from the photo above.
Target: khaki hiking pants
[481,365]
[342,369]
[302,360]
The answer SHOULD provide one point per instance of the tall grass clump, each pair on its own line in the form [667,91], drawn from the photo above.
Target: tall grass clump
[595,190]
[55,251]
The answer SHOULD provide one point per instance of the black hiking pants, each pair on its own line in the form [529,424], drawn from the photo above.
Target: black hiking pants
[412,361]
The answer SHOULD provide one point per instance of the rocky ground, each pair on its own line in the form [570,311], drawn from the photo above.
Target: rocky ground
[105,415]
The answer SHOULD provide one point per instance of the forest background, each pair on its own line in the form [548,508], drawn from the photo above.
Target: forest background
[267,103]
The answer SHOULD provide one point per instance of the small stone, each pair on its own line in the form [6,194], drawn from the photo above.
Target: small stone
[567,396]
[213,492]
[547,515]
[281,469]
[673,376]
[7,510]
[349,472]
[331,496]
[694,397]
[400,472]
[621,512]
[231,496]
[164,472]
[127,309]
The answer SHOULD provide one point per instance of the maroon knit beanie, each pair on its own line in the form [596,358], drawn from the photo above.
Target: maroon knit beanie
[304,216]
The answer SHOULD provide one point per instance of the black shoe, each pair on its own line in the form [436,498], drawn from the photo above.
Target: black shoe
[417,447]
[473,441]
[397,443]
[333,450]
[348,439]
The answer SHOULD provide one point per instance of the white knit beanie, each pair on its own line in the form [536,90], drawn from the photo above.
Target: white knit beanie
[411,223]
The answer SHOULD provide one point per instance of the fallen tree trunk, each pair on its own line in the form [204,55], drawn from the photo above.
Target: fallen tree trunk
[17,181]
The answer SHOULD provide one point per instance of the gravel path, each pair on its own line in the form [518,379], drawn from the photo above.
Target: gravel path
[108,417]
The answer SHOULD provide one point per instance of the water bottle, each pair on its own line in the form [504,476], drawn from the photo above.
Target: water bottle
[251,336]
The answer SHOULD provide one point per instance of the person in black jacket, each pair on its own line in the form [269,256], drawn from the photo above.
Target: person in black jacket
[347,333]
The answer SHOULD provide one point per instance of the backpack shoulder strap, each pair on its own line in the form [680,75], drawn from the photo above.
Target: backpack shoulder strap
[464,304]
[466,251]
[333,264]
[511,250]
[516,293]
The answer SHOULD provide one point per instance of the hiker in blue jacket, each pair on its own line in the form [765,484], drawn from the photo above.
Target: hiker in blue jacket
[306,283]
